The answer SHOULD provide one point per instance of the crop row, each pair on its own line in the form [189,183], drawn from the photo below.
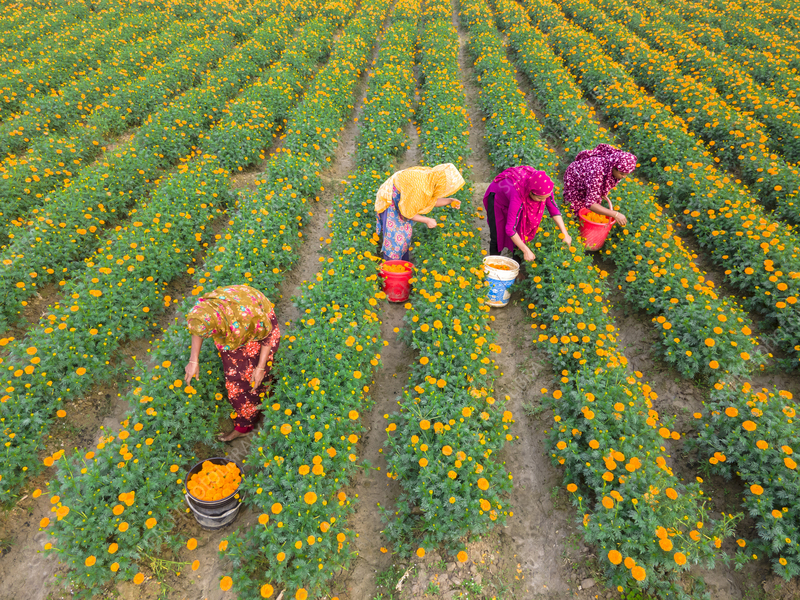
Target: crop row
[271,219]
[51,161]
[103,319]
[308,456]
[764,55]
[720,440]
[443,440]
[753,434]
[781,117]
[73,56]
[72,222]
[24,26]
[736,140]
[739,33]
[654,269]
[604,418]
[761,256]
[52,113]
[764,15]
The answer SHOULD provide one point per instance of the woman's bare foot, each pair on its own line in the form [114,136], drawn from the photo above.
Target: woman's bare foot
[231,435]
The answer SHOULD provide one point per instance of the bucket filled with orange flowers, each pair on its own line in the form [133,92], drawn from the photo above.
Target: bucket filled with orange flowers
[212,492]
[396,275]
[500,275]
[594,228]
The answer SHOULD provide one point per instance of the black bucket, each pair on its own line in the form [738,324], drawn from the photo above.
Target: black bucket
[215,514]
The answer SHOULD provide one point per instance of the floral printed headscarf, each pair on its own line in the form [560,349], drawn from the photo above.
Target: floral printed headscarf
[232,316]
[527,180]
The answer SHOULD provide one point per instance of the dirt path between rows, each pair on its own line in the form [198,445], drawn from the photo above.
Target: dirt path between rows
[529,557]
[100,411]
[96,413]
[372,488]
[204,584]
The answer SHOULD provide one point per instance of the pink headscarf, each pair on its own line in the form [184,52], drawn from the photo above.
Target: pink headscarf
[527,180]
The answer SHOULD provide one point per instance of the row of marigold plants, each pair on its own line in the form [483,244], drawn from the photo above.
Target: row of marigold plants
[72,222]
[719,430]
[115,299]
[443,442]
[759,254]
[272,218]
[307,450]
[647,525]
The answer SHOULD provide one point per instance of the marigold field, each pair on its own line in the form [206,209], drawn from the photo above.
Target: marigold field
[624,428]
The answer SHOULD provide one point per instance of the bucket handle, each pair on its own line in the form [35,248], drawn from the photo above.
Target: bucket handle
[225,514]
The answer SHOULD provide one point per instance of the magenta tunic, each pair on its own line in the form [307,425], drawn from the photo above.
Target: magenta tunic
[507,212]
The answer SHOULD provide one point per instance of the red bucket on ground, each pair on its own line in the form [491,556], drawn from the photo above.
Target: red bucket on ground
[594,234]
[396,276]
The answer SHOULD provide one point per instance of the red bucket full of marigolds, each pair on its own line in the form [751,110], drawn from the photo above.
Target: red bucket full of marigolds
[396,275]
[594,228]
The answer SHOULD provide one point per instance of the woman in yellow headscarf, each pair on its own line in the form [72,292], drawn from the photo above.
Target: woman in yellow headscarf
[406,197]
[242,323]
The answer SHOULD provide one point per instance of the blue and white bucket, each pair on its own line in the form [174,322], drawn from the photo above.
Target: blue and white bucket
[499,279]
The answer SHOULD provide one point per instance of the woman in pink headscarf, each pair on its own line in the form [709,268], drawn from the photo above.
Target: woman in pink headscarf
[515,203]
[592,175]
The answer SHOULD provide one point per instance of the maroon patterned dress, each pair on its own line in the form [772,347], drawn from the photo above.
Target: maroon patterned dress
[239,365]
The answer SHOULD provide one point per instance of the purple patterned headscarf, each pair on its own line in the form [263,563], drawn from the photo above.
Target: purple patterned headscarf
[527,180]
[605,158]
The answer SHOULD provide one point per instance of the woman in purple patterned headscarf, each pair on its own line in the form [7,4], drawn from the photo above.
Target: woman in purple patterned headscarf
[592,175]
[515,203]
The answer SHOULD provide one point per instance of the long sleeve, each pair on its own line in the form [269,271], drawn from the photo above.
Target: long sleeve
[551,207]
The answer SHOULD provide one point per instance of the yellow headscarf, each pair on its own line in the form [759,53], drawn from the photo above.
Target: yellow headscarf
[232,316]
[420,188]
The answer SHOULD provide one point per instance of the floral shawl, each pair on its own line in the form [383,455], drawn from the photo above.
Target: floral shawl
[232,316]
[590,176]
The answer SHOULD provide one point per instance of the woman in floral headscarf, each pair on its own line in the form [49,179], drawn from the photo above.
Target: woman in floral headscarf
[242,323]
[592,175]
[515,203]
[406,197]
